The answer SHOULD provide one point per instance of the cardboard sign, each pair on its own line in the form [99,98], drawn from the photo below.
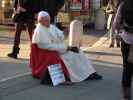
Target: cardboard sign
[56,74]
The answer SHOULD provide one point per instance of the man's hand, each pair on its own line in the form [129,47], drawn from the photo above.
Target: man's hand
[21,9]
[14,11]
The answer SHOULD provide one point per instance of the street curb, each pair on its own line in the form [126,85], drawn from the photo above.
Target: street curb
[107,64]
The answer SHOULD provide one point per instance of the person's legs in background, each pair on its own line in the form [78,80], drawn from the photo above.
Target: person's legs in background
[112,39]
[118,42]
[18,29]
[30,28]
[127,72]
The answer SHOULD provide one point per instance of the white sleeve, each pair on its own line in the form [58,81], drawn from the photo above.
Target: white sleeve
[60,33]
[60,47]
[40,36]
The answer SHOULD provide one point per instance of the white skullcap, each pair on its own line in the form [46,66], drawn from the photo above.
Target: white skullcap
[43,14]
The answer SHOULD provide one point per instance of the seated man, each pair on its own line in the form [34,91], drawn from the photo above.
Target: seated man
[48,48]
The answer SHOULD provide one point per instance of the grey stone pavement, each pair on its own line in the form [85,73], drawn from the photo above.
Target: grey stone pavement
[16,82]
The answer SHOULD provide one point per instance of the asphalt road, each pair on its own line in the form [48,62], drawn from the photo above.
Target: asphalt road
[27,88]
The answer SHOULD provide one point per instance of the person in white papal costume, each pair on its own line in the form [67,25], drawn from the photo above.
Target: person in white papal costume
[49,37]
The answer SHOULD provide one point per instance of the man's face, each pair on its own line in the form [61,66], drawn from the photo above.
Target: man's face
[45,21]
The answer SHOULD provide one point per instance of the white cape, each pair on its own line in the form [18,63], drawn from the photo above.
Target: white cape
[78,65]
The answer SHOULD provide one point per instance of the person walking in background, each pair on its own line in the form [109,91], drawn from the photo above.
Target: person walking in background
[52,7]
[24,11]
[111,12]
[124,17]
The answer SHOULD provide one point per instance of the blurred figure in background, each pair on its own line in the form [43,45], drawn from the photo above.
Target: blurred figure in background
[24,16]
[111,12]
[124,18]
[52,7]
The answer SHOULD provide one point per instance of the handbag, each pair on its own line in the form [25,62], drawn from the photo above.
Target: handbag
[56,74]
[18,16]
[130,56]
[15,17]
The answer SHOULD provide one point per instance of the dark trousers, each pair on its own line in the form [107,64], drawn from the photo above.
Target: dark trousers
[127,67]
[18,29]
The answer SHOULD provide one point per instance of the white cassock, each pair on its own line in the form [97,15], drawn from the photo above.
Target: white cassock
[78,65]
